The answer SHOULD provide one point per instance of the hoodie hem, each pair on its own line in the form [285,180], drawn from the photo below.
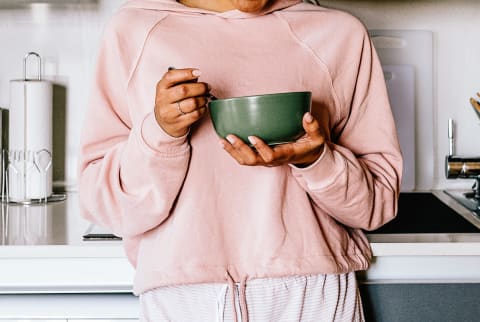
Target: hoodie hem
[198,273]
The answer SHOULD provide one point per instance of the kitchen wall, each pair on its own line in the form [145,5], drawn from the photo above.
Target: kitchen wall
[67,37]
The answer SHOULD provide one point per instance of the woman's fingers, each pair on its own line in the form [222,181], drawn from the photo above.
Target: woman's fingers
[267,153]
[180,100]
[179,84]
[260,154]
[187,90]
[302,152]
[240,151]
[188,119]
[182,91]
[189,105]
[179,124]
[175,76]
[311,126]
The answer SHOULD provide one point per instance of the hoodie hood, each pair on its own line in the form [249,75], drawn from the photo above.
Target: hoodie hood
[177,7]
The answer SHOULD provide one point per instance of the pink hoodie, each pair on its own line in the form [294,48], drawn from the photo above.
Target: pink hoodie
[188,212]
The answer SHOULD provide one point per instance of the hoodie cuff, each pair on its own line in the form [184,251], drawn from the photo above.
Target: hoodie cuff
[322,173]
[158,140]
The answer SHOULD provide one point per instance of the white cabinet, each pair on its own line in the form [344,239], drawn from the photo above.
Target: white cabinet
[30,320]
[69,307]
[69,320]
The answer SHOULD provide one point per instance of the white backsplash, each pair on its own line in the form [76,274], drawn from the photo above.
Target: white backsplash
[67,38]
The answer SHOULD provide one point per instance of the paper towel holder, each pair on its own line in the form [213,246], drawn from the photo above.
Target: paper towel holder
[39,65]
[41,159]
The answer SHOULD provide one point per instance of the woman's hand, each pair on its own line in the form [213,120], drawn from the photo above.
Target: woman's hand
[301,153]
[180,100]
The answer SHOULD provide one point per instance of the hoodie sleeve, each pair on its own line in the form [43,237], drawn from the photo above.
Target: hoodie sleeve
[357,178]
[130,172]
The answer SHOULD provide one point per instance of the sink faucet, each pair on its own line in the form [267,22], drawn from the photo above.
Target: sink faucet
[463,168]
[460,166]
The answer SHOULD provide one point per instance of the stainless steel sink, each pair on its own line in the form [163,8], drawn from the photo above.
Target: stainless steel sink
[464,203]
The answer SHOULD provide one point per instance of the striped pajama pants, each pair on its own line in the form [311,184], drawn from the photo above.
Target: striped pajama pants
[316,298]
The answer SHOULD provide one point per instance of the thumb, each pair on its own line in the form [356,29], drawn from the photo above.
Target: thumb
[311,125]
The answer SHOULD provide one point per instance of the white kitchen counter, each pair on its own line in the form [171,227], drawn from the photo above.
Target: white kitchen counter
[43,252]
[53,258]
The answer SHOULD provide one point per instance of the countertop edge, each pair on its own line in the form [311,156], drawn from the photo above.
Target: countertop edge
[381,245]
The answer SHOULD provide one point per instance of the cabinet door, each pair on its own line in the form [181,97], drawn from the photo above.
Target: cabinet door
[27,320]
[421,302]
[68,307]
[103,320]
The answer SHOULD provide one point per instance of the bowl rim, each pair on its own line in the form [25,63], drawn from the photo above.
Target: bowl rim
[258,96]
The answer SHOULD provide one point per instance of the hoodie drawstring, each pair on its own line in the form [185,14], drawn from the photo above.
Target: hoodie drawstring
[231,285]
[242,298]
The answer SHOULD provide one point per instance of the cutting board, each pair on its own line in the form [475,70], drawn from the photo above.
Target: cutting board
[414,48]
[400,81]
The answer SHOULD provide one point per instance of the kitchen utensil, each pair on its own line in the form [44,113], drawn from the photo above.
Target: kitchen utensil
[400,81]
[275,118]
[476,104]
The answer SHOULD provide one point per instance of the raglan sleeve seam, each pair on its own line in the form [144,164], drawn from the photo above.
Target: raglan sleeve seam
[154,140]
[339,105]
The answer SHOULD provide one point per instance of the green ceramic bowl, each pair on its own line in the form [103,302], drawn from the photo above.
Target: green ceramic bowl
[275,118]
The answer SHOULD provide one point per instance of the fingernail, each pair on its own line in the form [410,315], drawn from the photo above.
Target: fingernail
[308,117]
[196,72]
[231,139]
[252,140]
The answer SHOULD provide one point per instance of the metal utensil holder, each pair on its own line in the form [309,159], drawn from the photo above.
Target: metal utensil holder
[17,166]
